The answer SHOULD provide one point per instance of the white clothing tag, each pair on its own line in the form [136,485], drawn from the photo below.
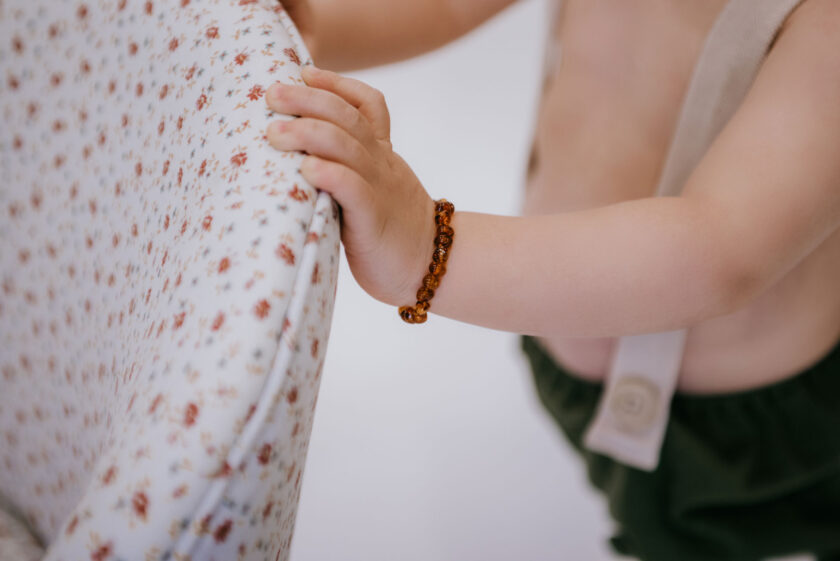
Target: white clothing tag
[633,413]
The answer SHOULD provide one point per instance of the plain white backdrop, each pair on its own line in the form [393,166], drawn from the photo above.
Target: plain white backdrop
[429,442]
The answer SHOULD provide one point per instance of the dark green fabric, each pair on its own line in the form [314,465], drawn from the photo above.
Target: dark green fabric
[742,476]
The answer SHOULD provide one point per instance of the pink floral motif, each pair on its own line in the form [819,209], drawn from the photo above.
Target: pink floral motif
[293,56]
[218,322]
[256,92]
[223,530]
[102,553]
[265,454]
[286,253]
[262,308]
[239,159]
[179,320]
[140,504]
[109,476]
[299,194]
[190,414]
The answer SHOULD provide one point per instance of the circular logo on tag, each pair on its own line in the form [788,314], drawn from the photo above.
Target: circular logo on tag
[634,404]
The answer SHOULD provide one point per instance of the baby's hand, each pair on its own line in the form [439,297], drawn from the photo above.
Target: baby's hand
[387,217]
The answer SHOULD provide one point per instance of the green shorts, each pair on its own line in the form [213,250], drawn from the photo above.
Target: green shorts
[742,476]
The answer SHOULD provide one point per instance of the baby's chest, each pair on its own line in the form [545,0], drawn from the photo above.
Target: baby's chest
[614,87]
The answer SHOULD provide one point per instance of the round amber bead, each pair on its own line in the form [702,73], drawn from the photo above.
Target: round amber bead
[410,314]
[444,206]
[446,230]
[443,241]
[440,255]
[437,269]
[422,307]
[425,294]
[430,281]
[407,314]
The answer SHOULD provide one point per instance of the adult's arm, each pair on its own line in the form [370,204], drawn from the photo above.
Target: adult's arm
[351,34]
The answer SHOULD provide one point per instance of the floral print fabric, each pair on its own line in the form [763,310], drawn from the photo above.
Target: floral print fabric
[167,279]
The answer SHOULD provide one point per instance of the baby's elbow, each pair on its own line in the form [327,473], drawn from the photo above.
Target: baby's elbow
[738,284]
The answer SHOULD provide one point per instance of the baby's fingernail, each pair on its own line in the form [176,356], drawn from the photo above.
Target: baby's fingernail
[277,127]
[275,90]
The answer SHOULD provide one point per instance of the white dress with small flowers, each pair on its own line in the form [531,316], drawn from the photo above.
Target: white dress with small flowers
[166,282]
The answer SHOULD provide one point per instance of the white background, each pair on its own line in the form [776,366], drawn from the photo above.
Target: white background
[429,442]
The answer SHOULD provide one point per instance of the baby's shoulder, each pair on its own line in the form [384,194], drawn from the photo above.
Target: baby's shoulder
[817,21]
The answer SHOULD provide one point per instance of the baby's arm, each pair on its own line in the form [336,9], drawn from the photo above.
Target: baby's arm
[764,197]
[352,34]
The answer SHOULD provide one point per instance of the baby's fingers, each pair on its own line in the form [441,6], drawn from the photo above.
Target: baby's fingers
[346,186]
[369,101]
[322,139]
[319,104]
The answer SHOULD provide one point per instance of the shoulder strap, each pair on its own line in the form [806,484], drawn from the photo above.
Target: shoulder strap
[634,408]
[733,53]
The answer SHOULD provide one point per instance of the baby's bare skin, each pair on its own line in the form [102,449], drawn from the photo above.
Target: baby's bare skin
[602,137]
[747,256]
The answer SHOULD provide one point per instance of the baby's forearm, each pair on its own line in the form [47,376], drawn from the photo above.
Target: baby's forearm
[352,34]
[639,266]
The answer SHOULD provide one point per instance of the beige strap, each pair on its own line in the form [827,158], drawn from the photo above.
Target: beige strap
[634,409]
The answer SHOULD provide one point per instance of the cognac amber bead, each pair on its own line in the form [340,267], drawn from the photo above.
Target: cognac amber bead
[440,255]
[422,307]
[430,281]
[445,230]
[444,206]
[443,241]
[437,269]
[410,314]
[407,314]
[442,219]
[425,294]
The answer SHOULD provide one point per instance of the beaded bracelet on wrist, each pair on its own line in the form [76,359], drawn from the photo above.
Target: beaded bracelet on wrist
[444,234]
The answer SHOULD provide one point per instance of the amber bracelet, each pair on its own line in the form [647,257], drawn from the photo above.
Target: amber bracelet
[444,235]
